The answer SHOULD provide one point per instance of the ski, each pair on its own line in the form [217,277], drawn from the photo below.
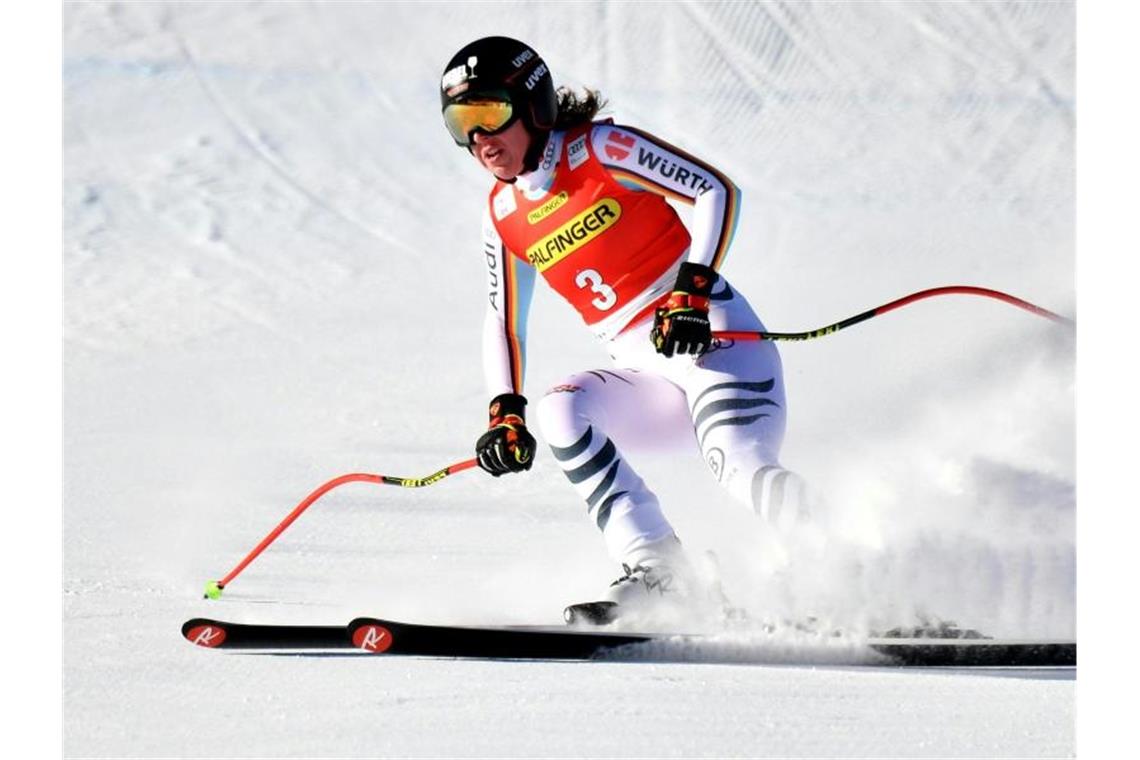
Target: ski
[974,653]
[507,643]
[380,636]
[217,634]
[376,636]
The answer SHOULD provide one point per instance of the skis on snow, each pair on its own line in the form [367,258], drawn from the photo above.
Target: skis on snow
[378,636]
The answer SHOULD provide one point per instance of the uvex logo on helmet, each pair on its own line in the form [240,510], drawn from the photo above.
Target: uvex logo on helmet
[536,76]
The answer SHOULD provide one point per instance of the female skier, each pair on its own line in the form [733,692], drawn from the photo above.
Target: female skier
[584,204]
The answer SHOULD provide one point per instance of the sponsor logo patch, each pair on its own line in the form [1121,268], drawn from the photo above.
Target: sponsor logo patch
[372,638]
[491,254]
[206,635]
[618,146]
[534,216]
[454,77]
[576,153]
[548,154]
[574,234]
[673,172]
[715,460]
[564,388]
[455,80]
[504,203]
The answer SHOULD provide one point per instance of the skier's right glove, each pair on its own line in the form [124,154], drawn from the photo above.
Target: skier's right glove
[507,446]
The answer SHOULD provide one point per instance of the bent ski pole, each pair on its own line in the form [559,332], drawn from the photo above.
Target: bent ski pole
[214,588]
[896,304]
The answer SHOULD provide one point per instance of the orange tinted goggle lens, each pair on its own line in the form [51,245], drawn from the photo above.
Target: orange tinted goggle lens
[487,115]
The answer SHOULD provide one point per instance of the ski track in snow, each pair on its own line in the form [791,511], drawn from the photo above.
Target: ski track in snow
[273,277]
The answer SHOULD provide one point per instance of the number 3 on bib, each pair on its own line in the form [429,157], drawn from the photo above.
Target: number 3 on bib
[590,278]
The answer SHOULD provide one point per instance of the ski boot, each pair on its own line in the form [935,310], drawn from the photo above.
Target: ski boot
[640,588]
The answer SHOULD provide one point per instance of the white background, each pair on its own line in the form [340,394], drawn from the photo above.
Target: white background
[255,374]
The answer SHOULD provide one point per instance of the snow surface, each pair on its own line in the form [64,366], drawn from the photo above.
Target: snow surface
[272,277]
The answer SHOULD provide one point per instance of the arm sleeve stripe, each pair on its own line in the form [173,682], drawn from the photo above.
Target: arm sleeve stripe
[510,319]
[638,182]
[732,201]
[517,292]
[728,230]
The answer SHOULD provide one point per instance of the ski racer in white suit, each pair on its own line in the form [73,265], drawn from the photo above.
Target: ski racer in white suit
[583,203]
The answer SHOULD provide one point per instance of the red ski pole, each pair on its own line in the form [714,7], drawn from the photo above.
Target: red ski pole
[896,304]
[214,588]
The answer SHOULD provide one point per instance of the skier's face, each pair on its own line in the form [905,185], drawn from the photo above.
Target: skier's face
[502,154]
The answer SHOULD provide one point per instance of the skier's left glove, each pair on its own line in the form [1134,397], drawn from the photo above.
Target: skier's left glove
[507,446]
[681,324]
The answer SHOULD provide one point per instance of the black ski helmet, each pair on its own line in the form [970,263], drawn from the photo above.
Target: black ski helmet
[494,65]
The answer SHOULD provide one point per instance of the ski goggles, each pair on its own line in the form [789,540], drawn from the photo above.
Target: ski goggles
[487,115]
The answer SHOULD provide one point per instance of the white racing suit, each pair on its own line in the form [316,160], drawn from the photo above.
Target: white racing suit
[728,405]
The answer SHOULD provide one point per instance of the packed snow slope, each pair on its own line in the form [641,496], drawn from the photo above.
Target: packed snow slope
[273,276]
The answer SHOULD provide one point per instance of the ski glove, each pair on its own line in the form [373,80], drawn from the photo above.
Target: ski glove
[681,324]
[507,446]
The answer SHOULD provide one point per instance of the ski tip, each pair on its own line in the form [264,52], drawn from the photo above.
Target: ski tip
[204,633]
